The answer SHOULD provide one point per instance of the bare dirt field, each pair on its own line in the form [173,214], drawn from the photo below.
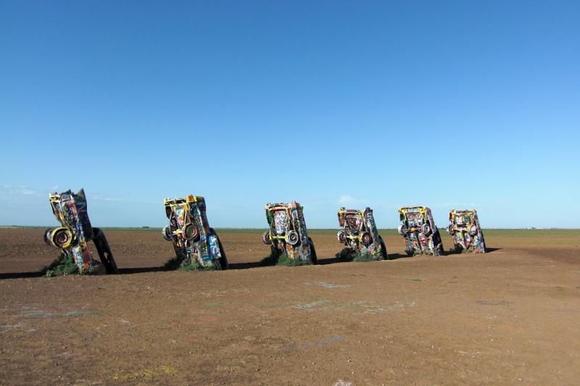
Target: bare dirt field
[509,317]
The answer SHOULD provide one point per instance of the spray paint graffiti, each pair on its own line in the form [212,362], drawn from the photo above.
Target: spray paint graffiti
[420,232]
[72,237]
[194,241]
[359,233]
[287,233]
[465,231]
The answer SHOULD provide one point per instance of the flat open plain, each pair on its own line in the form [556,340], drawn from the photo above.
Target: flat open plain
[508,317]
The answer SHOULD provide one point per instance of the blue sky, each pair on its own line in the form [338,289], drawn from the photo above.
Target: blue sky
[449,104]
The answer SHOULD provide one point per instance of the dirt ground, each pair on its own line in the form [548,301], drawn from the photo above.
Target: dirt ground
[509,317]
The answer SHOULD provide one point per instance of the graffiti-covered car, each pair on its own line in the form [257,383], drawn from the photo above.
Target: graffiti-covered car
[358,233]
[196,244]
[465,231]
[74,233]
[287,234]
[420,232]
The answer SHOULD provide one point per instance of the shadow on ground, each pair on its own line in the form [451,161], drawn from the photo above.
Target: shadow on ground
[487,250]
[255,264]
[130,271]
[232,266]
[20,275]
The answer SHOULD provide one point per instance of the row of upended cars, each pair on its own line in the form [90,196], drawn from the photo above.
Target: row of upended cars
[198,246]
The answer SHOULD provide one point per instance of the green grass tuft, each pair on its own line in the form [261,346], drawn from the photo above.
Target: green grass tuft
[349,254]
[278,258]
[173,263]
[364,256]
[283,259]
[61,266]
[181,264]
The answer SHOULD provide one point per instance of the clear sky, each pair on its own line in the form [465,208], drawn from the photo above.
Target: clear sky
[449,104]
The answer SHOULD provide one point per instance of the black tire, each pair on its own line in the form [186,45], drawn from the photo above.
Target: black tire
[292,237]
[62,237]
[410,252]
[192,233]
[167,234]
[313,256]
[266,238]
[46,236]
[366,239]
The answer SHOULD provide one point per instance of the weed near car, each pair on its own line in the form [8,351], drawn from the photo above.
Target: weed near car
[61,266]
[349,254]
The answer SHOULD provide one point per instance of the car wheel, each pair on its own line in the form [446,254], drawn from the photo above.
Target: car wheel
[266,239]
[292,238]
[167,234]
[61,237]
[191,232]
[366,239]
[402,229]
[46,236]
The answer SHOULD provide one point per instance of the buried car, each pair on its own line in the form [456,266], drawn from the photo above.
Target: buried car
[465,231]
[359,234]
[196,244]
[287,234]
[72,237]
[420,232]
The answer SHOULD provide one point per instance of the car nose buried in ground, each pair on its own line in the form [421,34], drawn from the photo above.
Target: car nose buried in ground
[287,235]
[359,235]
[196,244]
[72,237]
[420,232]
[465,231]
